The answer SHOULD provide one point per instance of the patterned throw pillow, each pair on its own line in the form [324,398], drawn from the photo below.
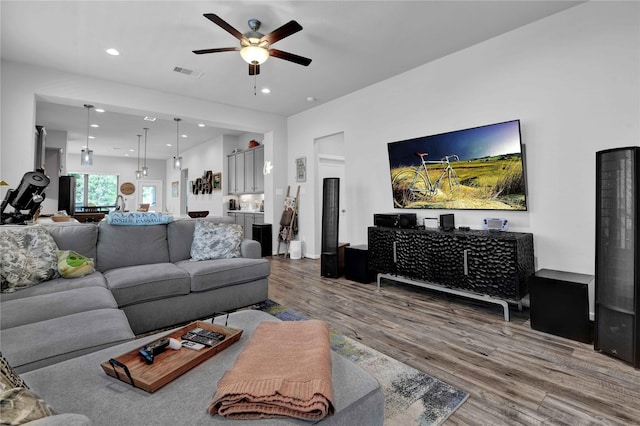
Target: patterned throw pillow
[74,265]
[27,257]
[216,241]
[18,404]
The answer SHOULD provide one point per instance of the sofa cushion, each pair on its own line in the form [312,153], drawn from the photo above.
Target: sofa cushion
[47,306]
[216,241]
[79,237]
[57,284]
[209,274]
[120,246]
[27,257]
[180,235]
[63,338]
[135,284]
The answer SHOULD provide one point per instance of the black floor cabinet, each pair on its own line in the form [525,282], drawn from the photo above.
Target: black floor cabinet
[493,263]
[617,328]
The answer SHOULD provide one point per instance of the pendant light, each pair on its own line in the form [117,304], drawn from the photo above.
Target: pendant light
[86,156]
[177,160]
[145,169]
[138,171]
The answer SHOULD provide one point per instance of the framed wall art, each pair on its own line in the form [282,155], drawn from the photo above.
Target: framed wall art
[174,189]
[217,181]
[301,169]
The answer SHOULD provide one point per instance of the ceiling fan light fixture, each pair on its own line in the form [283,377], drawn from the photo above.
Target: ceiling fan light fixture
[254,54]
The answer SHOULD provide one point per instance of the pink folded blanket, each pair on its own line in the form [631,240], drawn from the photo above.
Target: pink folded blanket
[284,371]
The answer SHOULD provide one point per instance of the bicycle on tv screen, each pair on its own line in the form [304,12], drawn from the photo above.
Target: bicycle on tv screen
[481,168]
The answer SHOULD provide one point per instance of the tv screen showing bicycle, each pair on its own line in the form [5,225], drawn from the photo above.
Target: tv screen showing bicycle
[480,168]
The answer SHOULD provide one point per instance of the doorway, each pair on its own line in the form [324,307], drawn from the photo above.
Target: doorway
[184,190]
[150,192]
[330,162]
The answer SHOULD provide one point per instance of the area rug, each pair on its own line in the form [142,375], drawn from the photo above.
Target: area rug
[411,396]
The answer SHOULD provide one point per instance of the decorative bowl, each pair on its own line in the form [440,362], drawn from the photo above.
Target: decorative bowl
[202,213]
[60,218]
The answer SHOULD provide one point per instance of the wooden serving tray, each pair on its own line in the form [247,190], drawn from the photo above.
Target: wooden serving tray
[132,369]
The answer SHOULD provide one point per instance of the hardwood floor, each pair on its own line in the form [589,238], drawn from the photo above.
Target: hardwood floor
[514,375]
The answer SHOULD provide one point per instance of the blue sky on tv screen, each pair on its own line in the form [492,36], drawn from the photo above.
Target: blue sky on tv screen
[468,144]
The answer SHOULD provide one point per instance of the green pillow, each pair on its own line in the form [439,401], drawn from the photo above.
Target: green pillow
[74,265]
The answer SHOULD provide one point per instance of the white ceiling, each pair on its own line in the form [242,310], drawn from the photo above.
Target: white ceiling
[353,44]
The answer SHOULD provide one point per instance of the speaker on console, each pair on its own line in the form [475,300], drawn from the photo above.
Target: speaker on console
[67,194]
[330,214]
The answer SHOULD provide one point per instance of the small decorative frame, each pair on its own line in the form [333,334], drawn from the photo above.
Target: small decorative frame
[174,189]
[301,169]
[217,181]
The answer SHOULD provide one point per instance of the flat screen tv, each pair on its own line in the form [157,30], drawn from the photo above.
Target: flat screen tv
[481,168]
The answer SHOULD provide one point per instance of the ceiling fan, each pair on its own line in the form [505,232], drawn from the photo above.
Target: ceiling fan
[255,46]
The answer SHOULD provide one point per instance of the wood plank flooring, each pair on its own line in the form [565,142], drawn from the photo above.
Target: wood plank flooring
[514,375]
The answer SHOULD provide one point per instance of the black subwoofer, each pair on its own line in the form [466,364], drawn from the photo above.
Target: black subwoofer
[330,214]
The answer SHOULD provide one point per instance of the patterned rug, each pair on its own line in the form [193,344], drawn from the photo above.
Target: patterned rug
[411,396]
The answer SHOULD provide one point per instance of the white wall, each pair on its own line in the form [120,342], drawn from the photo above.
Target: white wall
[22,84]
[573,81]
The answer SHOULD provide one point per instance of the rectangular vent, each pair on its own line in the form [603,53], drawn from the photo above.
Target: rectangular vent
[185,71]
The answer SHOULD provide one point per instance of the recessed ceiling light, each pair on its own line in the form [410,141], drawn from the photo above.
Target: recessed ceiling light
[148,118]
[201,125]
[95,125]
[311,99]
[132,150]
[266,90]
[169,144]
[184,136]
[99,110]
[92,137]
[113,52]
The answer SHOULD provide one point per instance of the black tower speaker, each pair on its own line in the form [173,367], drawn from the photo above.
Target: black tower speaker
[262,234]
[617,306]
[67,194]
[330,211]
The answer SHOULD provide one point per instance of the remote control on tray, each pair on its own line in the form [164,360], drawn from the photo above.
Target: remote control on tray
[205,337]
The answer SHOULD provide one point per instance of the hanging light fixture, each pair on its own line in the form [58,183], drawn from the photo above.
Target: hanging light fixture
[145,169]
[177,160]
[138,171]
[86,156]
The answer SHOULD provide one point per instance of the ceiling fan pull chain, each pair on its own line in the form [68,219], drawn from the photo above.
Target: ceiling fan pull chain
[255,80]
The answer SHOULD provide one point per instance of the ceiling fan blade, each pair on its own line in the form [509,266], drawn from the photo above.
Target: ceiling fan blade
[286,30]
[254,69]
[289,57]
[220,49]
[224,25]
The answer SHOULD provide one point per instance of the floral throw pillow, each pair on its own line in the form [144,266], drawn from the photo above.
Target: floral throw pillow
[27,257]
[216,241]
[18,404]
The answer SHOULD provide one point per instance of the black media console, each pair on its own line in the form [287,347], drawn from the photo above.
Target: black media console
[485,265]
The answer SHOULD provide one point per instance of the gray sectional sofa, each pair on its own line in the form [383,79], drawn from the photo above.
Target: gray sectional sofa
[143,281]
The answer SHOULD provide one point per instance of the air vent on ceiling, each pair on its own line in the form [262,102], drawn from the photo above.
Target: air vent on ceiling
[191,73]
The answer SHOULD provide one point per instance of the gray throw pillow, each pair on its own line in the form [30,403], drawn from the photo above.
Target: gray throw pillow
[27,257]
[215,241]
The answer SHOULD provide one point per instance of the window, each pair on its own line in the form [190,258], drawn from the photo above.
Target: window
[95,190]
